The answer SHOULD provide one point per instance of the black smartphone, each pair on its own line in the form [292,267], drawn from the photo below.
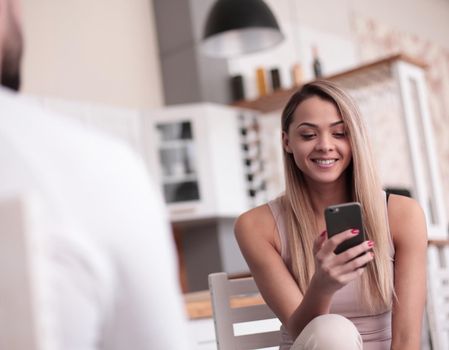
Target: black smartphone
[343,217]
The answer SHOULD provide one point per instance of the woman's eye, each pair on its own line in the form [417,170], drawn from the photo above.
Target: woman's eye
[339,134]
[307,136]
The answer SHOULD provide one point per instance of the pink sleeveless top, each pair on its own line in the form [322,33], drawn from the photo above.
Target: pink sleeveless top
[374,329]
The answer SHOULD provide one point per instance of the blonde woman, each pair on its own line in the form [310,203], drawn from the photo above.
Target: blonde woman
[369,297]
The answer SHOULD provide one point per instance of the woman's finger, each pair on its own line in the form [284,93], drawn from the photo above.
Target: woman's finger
[335,240]
[350,276]
[358,263]
[353,252]
[319,241]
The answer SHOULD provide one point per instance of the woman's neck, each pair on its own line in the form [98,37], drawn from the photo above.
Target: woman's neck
[324,195]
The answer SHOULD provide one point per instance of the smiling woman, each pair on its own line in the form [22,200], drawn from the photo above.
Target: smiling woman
[370,296]
[318,142]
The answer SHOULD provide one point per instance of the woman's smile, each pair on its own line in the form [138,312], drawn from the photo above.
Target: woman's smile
[325,163]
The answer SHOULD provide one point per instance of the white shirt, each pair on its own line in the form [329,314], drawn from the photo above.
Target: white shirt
[112,281]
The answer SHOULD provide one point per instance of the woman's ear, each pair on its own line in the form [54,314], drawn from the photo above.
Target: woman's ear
[285,142]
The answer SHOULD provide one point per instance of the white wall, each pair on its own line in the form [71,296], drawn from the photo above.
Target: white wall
[428,19]
[106,50]
[92,50]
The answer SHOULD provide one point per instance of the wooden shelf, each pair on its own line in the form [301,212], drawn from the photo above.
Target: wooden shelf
[362,75]
[198,304]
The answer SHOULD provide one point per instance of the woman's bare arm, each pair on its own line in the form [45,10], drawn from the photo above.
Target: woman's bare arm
[408,228]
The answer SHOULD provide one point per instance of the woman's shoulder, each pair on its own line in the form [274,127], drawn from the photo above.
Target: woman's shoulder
[405,215]
[258,220]
[255,217]
[400,207]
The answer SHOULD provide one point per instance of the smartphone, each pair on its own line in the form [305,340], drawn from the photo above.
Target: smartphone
[342,217]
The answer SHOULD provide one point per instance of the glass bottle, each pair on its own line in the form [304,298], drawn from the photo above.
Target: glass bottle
[317,68]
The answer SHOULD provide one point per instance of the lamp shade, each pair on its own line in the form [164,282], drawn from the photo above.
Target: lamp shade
[236,27]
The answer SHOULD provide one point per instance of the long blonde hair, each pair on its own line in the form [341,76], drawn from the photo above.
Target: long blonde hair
[376,285]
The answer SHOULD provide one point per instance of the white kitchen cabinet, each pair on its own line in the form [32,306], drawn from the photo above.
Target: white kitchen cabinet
[205,158]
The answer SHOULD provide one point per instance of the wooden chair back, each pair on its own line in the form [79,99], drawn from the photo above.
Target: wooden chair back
[229,314]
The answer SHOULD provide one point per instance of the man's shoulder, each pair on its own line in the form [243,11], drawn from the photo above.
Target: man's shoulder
[19,111]
[28,122]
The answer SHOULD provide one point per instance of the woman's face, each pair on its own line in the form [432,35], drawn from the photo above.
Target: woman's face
[318,141]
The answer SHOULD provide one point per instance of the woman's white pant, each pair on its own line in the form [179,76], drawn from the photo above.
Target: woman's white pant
[329,332]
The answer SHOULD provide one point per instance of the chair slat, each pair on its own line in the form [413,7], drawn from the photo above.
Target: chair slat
[260,340]
[251,313]
[224,333]
[242,286]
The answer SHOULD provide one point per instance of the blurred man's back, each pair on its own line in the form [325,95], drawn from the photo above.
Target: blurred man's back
[112,281]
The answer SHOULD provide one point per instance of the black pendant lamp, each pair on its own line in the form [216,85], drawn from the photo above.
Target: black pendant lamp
[236,27]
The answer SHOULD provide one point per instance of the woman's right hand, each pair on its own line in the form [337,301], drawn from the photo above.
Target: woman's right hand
[332,271]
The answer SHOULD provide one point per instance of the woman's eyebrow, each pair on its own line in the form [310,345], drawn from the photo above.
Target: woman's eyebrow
[307,124]
[311,125]
[337,123]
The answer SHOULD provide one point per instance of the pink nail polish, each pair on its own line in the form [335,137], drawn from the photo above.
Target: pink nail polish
[370,244]
[354,231]
[323,233]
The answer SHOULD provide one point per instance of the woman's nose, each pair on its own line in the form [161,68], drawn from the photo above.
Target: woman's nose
[324,144]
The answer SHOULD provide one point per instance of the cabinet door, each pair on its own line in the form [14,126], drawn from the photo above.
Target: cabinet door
[177,157]
[174,137]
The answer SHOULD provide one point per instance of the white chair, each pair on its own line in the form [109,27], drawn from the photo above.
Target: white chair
[438,293]
[20,326]
[230,320]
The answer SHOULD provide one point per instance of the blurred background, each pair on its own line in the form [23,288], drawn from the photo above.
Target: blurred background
[208,127]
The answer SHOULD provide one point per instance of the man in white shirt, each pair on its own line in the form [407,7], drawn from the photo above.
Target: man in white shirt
[111,270]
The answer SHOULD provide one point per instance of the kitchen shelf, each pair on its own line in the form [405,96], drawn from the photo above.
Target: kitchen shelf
[360,76]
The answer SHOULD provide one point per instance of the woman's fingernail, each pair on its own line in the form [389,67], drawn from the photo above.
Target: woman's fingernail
[323,233]
[370,244]
[354,231]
